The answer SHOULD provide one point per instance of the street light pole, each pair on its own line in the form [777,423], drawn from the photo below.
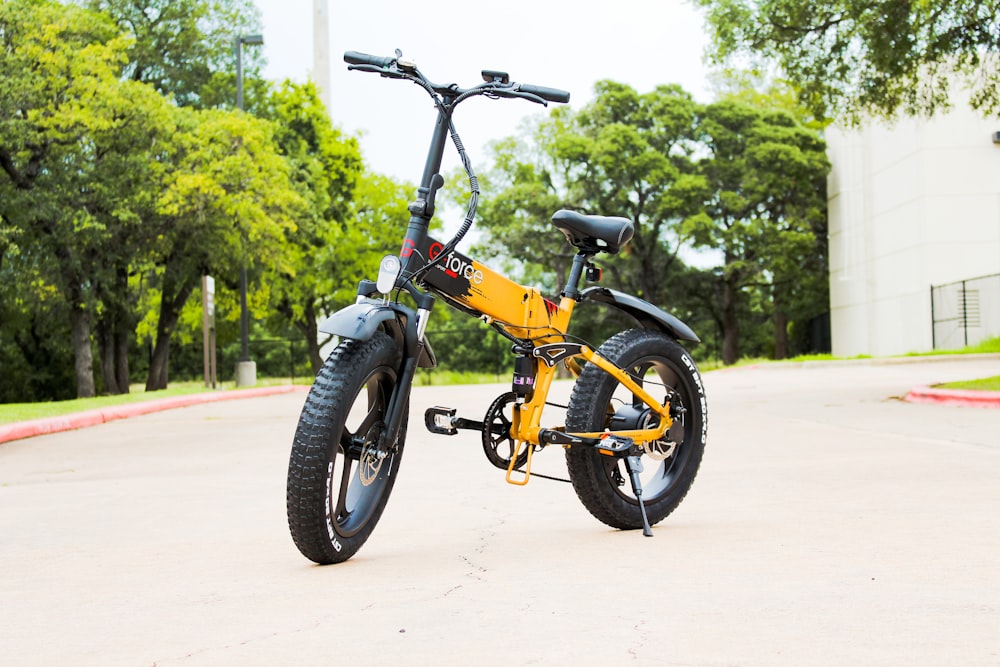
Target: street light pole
[246,369]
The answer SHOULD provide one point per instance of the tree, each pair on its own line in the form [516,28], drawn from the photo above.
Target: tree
[765,213]
[184,48]
[228,201]
[626,154]
[851,59]
[325,167]
[60,91]
[93,171]
[35,354]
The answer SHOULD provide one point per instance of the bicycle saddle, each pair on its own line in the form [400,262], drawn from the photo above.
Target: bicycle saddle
[594,233]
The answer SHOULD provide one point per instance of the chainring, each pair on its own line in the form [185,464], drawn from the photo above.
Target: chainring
[498,444]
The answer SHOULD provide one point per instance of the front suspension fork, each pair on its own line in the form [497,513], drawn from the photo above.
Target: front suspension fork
[399,401]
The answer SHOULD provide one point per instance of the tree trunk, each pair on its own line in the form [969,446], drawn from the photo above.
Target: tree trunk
[113,351]
[730,323]
[780,332]
[83,357]
[160,362]
[310,330]
[122,372]
[80,325]
[170,311]
[106,351]
[122,330]
[113,336]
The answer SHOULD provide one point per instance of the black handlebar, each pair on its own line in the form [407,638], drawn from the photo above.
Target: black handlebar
[358,58]
[550,94]
[446,98]
[394,67]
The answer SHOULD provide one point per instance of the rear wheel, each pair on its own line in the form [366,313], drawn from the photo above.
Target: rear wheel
[599,402]
[340,473]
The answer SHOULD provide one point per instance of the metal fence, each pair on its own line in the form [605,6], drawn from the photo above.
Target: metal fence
[965,312]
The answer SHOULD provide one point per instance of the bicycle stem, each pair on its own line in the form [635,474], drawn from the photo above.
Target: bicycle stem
[422,210]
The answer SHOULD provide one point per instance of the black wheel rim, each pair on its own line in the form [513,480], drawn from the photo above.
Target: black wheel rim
[357,473]
[663,380]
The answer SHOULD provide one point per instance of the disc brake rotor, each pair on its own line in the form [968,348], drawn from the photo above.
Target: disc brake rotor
[659,450]
[664,448]
[371,458]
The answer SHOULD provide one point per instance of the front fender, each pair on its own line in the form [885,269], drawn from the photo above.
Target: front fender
[360,321]
[645,313]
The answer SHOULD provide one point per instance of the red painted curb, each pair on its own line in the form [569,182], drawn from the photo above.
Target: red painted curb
[963,397]
[27,429]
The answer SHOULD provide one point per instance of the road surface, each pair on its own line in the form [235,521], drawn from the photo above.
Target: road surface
[831,524]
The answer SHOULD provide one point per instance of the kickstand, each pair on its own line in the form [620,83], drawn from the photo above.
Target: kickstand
[634,467]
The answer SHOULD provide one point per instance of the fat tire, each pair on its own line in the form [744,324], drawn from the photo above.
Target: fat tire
[355,369]
[594,479]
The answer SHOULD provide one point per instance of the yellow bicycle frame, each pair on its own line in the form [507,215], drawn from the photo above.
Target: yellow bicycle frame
[524,313]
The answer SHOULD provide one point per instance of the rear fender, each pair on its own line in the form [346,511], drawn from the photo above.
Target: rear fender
[643,312]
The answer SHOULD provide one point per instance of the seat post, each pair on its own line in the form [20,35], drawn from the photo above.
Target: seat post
[575,273]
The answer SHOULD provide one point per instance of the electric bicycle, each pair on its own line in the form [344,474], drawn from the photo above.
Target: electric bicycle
[636,424]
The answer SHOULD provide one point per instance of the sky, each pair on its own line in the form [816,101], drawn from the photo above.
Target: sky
[566,45]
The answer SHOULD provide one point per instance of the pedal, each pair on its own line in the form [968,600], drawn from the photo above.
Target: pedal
[439,420]
[617,446]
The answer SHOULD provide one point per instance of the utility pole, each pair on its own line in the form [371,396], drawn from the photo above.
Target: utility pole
[246,369]
[321,50]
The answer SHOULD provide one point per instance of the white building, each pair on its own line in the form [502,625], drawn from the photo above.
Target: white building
[914,205]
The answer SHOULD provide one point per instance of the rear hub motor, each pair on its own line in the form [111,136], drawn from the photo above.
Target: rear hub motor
[640,418]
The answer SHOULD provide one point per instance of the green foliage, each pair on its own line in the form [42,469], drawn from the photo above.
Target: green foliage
[70,149]
[848,59]
[626,154]
[114,200]
[325,168]
[184,48]
[464,344]
[745,179]
[765,214]
[987,346]
[227,203]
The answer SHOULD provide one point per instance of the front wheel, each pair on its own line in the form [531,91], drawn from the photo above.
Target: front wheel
[599,402]
[339,475]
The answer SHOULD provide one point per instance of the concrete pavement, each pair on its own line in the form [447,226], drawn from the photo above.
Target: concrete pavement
[832,523]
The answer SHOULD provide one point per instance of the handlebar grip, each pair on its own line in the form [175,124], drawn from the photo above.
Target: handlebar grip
[358,58]
[550,94]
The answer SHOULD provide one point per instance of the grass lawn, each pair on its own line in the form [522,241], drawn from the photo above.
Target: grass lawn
[984,384]
[15,412]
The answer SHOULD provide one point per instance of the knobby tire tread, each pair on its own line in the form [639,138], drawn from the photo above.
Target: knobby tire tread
[332,393]
[586,465]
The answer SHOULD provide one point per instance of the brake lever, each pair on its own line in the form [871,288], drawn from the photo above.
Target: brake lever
[387,73]
[533,98]
[508,92]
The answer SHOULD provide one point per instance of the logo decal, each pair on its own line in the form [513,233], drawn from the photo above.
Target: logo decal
[456,266]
